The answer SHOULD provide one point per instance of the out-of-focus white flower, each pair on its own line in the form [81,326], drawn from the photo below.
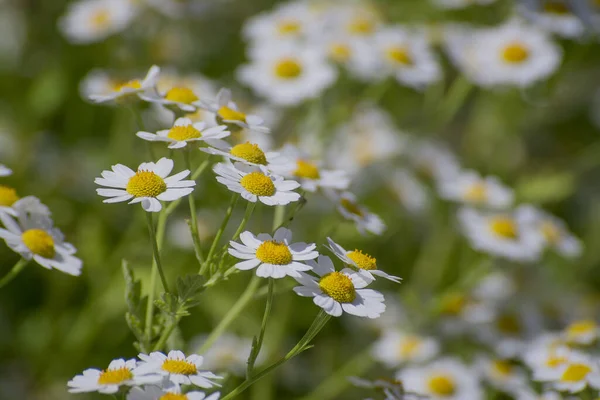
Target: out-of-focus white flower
[495,287]
[172,393]
[454,4]
[357,55]
[229,353]
[358,20]
[184,131]
[5,171]
[579,372]
[350,209]
[289,21]
[411,193]
[546,353]
[470,188]
[433,161]
[502,374]
[88,21]
[98,82]
[227,112]
[395,348]
[556,17]
[127,90]
[583,332]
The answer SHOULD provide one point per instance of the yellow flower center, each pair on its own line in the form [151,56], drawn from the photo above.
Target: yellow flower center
[272,252]
[441,385]
[181,95]
[173,396]
[146,184]
[39,242]
[362,260]
[338,286]
[8,196]
[181,367]
[230,114]
[550,231]
[509,325]
[184,132]
[580,328]
[361,26]
[409,346]
[400,55]
[554,361]
[288,68]
[114,376]
[100,19]
[340,52]
[515,53]
[249,152]
[133,84]
[502,367]
[556,7]
[307,170]
[476,193]
[454,303]
[351,207]
[575,373]
[289,27]
[258,184]
[504,227]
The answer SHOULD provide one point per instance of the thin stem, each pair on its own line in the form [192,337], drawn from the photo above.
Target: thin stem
[15,270]
[247,214]
[455,98]
[165,335]
[263,327]
[232,314]
[160,234]
[278,217]
[201,168]
[219,233]
[193,214]
[156,252]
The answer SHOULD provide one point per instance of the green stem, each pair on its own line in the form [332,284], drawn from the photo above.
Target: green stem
[247,214]
[232,314]
[165,335]
[156,252]
[15,270]
[278,217]
[457,94]
[193,214]
[219,234]
[263,327]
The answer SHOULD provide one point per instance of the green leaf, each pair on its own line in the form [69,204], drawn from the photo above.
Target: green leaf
[132,288]
[189,286]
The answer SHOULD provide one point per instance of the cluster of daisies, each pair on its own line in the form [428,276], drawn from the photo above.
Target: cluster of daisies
[28,229]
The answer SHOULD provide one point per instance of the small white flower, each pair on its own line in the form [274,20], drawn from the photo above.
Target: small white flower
[174,393]
[342,291]
[228,353]
[583,332]
[181,97]
[5,171]
[470,188]
[185,131]
[289,21]
[356,19]
[8,197]
[363,262]
[365,220]
[149,185]
[34,236]
[88,21]
[502,374]
[357,55]
[545,354]
[119,373]
[579,372]
[433,161]
[556,17]
[127,90]
[257,184]
[275,257]
[247,153]
[175,366]
[411,193]
[228,112]
[395,348]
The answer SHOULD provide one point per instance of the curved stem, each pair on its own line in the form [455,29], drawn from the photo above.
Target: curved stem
[156,251]
[160,234]
[219,233]
[247,214]
[15,270]
[193,214]
[165,335]
[263,327]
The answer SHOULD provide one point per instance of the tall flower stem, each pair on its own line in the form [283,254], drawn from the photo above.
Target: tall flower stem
[156,252]
[247,215]
[160,234]
[193,214]
[263,327]
[219,234]
[15,270]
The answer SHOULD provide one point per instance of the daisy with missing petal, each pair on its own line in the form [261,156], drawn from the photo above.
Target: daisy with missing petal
[470,188]
[227,112]
[275,257]
[175,366]
[130,89]
[185,131]
[350,209]
[257,184]
[119,373]
[342,291]
[247,153]
[395,348]
[5,171]
[363,262]
[173,393]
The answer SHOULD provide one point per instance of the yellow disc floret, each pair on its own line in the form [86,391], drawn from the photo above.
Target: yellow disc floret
[100,19]
[181,95]
[515,53]
[289,27]
[114,376]
[351,207]
[400,55]
[579,328]
[230,114]
[476,193]
[362,260]
[408,346]
[184,132]
[441,385]
[8,196]
[272,252]
[288,68]
[133,84]
[39,242]
[173,396]
[307,170]
[361,26]
[146,184]
[249,152]
[575,373]
[338,286]
[180,367]
[502,367]
[340,52]
[258,184]
[504,227]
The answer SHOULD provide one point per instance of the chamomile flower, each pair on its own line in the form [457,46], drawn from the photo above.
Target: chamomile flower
[227,112]
[273,257]
[247,153]
[579,372]
[395,348]
[287,74]
[34,236]
[504,234]
[119,373]
[411,193]
[257,184]
[228,353]
[363,262]
[350,209]
[8,197]
[470,188]
[545,354]
[88,21]
[149,185]
[555,16]
[127,90]
[180,97]
[174,393]
[359,21]
[583,332]
[184,131]
[175,366]
[502,374]
[5,171]
[289,21]
[98,82]
[433,161]
[443,379]
[342,291]
[355,54]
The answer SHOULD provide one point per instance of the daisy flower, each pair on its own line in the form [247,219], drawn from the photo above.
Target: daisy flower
[5,171]
[545,354]
[359,21]
[583,332]
[181,97]
[337,292]
[579,372]
[228,353]
[275,257]
[505,234]
[184,131]
[433,161]
[88,21]
[443,379]
[289,21]
[175,366]
[227,112]
[411,193]
[119,373]
[395,348]
[555,16]
[174,393]
[8,197]
[365,220]
[363,262]
[34,236]
[470,188]
[502,374]
[127,90]
[287,74]
[247,153]
[355,54]
[257,184]
[149,185]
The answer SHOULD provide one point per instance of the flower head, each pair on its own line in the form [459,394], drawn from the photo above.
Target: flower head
[471,189]
[119,373]
[124,91]
[350,209]
[184,131]
[227,112]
